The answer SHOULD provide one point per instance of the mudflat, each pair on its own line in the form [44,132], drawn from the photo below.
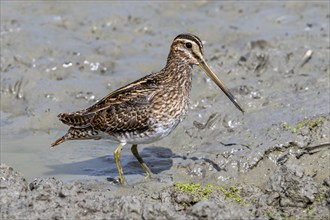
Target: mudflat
[270,163]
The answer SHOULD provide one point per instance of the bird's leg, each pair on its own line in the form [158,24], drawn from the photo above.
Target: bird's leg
[142,163]
[119,167]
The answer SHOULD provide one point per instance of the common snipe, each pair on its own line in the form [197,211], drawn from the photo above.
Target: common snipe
[146,110]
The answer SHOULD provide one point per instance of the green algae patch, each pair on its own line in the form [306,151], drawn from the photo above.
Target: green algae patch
[195,189]
[199,192]
[311,124]
[232,194]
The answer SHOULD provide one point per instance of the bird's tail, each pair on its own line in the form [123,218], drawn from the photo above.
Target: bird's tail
[76,119]
[78,134]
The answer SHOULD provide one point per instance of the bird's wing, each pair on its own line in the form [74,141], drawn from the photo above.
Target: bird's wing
[135,96]
[129,115]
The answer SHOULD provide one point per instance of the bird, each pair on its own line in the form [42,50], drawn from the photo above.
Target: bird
[147,109]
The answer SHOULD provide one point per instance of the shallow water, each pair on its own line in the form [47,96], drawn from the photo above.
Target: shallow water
[63,57]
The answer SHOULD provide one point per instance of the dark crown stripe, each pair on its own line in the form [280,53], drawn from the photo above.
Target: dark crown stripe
[190,37]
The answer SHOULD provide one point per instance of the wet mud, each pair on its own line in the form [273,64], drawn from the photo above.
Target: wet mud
[270,163]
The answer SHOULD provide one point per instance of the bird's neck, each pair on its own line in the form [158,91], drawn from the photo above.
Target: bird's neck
[178,72]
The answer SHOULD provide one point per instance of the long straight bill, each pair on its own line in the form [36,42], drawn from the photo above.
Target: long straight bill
[203,65]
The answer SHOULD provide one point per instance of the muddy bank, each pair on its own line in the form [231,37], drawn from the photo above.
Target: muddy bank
[299,188]
[289,193]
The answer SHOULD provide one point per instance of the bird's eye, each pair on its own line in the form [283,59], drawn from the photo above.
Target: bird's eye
[188,45]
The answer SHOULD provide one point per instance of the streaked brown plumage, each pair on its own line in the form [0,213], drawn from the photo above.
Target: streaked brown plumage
[146,110]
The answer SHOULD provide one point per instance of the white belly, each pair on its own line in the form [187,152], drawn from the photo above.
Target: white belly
[147,137]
